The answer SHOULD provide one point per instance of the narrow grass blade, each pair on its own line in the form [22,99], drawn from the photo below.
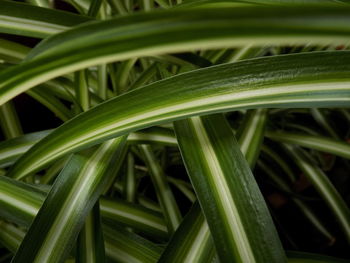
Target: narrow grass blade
[280,161]
[235,210]
[80,5]
[90,240]
[183,188]
[102,81]
[130,189]
[27,20]
[9,121]
[122,75]
[252,135]
[144,77]
[300,80]
[118,7]
[51,103]
[320,143]
[94,7]
[82,90]
[321,118]
[149,204]
[52,172]
[72,196]
[164,193]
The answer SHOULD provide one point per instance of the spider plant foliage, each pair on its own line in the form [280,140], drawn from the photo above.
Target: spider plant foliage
[174,131]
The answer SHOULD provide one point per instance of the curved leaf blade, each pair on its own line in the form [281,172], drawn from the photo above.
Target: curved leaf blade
[155,33]
[301,80]
[27,20]
[320,143]
[11,150]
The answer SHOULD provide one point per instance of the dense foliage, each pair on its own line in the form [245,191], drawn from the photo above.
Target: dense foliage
[174,131]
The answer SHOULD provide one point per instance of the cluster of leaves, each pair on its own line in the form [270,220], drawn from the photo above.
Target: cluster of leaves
[165,114]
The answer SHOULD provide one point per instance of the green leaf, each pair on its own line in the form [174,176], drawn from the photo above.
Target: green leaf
[155,33]
[130,184]
[121,245]
[9,121]
[283,164]
[19,201]
[94,7]
[12,52]
[126,247]
[235,210]
[51,102]
[184,187]
[41,3]
[300,80]
[252,135]
[71,197]
[139,218]
[10,150]
[192,241]
[320,143]
[153,135]
[23,206]
[322,120]
[10,236]
[82,90]
[27,20]
[90,240]
[164,193]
